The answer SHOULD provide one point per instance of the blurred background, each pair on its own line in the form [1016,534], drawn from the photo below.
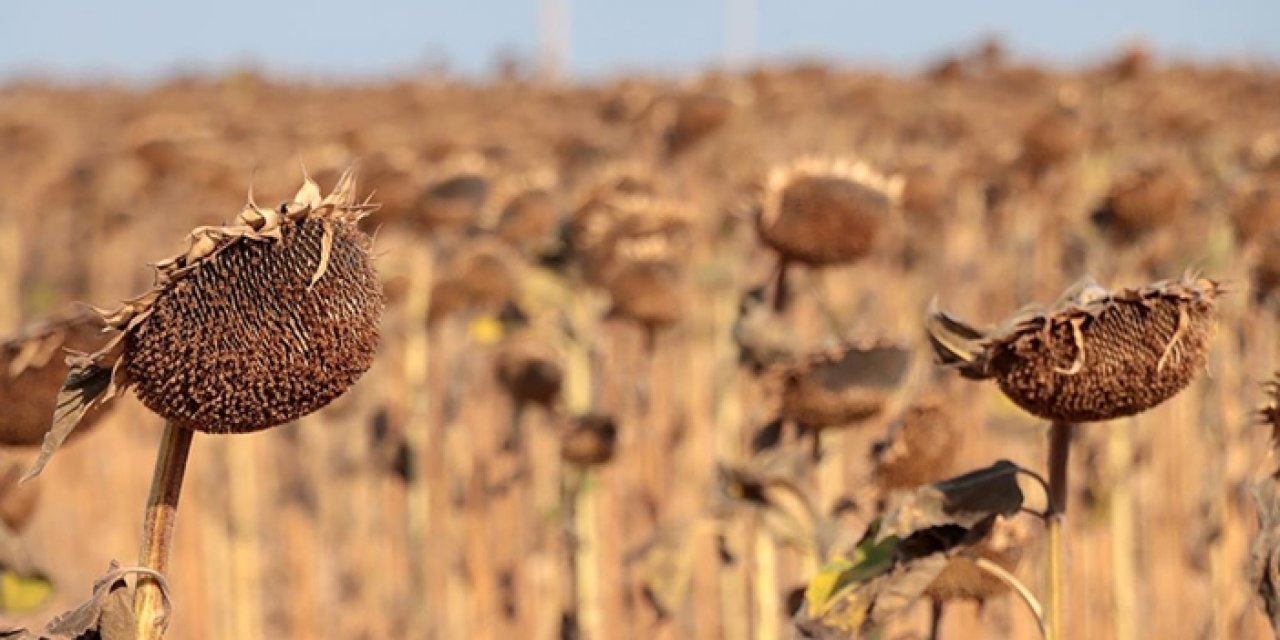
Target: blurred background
[585,420]
[151,40]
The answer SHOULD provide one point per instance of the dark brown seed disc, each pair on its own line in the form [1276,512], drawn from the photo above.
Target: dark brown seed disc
[1127,356]
[244,342]
[591,440]
[922,449]
[825,220]
[848,388]
[647,292]
[529,370]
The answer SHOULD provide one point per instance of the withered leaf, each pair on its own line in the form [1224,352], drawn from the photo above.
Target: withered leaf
[902,554]
[116,621]
[865,594]
[108,612]
[1264,556]
[900,589]
[86,383]
[839,575]
[964,501]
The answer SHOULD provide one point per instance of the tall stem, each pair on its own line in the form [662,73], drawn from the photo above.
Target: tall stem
[149,608]
[1059,452]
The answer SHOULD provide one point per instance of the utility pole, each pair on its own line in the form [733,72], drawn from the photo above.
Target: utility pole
[739,33]
[553,39]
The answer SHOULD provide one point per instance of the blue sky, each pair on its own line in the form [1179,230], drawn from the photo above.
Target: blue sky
[147,39]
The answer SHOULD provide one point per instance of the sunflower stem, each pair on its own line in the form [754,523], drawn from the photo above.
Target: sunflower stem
[149,607]
[1059,452]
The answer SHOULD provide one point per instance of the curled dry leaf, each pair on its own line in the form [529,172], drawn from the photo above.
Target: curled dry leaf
[106,615]
[962,501]
[902,554]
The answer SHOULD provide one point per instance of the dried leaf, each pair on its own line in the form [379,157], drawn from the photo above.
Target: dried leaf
[846,598]
[85,387]
[964,501]
[344,192]
[309,194]
[117,621]
[899,590]
[902,554]
[108,608]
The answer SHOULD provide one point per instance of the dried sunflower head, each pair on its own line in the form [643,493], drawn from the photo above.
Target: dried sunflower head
[1143,201]
[1095,354]
[32,369]
[524,211]
[620,199]
[481,277]
[455,194]
[530,369]
[921,447]
[821,211]
[256,324]
[590,440]
[851,384]
[696,117]
[1051,139]
[1255,212]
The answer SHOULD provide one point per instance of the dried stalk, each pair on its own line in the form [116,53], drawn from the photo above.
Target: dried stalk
[10,275]
[1123,537]
[765,585]
[157,530]
[417,429]
[1059,452]
[244,545]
